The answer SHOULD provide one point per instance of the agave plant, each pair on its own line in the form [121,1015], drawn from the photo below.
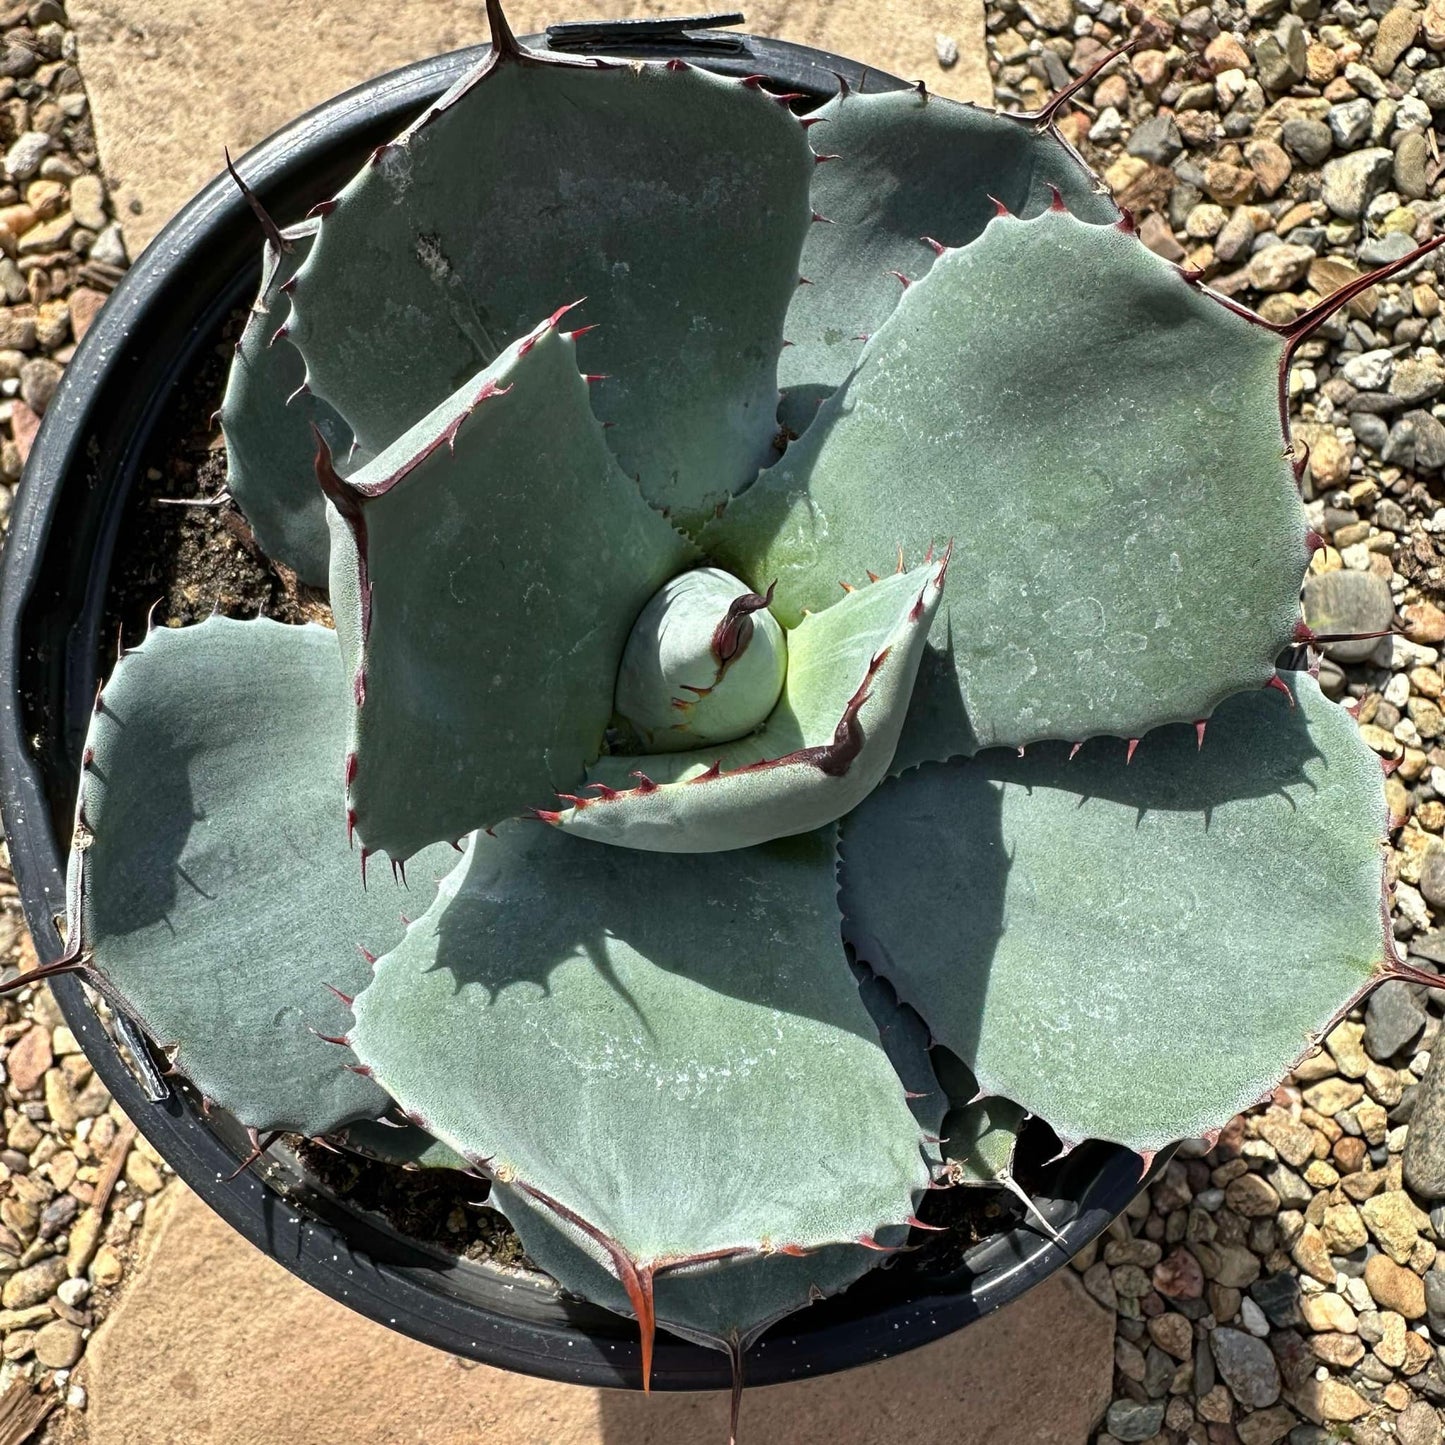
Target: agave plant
[835,700]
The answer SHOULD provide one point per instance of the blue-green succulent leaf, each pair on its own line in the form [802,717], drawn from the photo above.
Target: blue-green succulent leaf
[1103,440]
[211,885]
[909,167]
[675,200]
[624,1065]
[486,570]
[826,746]
[267,419]
[1078,932]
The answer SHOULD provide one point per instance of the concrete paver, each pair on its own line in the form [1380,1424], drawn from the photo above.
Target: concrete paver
[173,81]
[214,1344]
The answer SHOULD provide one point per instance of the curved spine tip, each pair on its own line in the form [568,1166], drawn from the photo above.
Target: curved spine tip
[273,233]
[1045,116]
[1310,320]
[914,1222]
[1279,685]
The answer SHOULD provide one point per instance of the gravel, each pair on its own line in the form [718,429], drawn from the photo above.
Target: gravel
[1297,1251]
[69,1207]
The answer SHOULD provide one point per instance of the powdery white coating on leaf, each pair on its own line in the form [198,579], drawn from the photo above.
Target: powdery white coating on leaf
[218,894]
[1104,443]
[507,557]
[1137,952]
[908,167]
[675,200]
[634,1063]
[267,426]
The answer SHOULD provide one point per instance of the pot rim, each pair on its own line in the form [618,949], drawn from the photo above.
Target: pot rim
[90,447]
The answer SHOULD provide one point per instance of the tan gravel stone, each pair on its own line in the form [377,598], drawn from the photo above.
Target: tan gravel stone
[1265,1427]
[30,1286]
[1343,1230]
[1346,1046]
[1395,1222]
[85,1235]
[1329,1096]
[58,1346]
[1252,1196]
[1342,1351]
[107,1268]
[1397,32]
[1331,1401]
[1217,1406]
[1312,1256]
[29,1058]
[1173,1334]
[1390,1348]
[1393,1287]
[1328,1313]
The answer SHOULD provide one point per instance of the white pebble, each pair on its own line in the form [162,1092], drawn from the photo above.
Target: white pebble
[1405,654]
[1253,1318]
[1358,1295]
[1413,111]
[72,1291]
[75,1397]
[1369,371]
[1356,558]
[1108,127]
[23,158]
[1397,690]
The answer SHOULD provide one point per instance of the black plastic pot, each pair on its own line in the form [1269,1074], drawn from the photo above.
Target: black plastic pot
[99,434]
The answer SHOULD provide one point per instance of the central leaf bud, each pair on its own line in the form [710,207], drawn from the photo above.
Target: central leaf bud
[705,663]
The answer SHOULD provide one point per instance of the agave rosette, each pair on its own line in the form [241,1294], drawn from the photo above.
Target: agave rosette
[738,845]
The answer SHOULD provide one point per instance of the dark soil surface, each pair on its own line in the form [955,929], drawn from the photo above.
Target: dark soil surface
[187,561]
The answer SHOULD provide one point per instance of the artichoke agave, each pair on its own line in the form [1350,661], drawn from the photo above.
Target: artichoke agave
[782,737]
